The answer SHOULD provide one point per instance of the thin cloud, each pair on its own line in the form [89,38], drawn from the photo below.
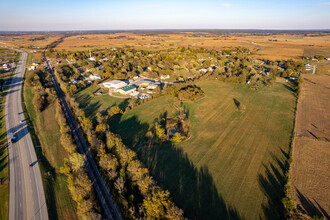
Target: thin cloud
[326,3]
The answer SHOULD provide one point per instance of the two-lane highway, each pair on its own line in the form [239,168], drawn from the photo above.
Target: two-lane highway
[26,195]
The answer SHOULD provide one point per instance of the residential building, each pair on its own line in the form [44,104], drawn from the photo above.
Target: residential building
[142,96]
[94,77]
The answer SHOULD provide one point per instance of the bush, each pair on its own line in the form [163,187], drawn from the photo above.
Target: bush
[288,204]
[177,138]
[115,110]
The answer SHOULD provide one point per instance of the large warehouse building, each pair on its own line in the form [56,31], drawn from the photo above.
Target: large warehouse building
[116,84]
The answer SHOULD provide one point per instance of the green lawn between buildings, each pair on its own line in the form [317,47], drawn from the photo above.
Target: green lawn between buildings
[233,163]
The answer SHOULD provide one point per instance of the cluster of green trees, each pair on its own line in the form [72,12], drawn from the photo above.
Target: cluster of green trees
[175,129]
[65,74]
[185,91]
[43,89]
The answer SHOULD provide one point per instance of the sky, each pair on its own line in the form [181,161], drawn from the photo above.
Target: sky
[50,15]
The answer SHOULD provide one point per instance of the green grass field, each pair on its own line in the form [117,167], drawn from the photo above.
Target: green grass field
[93,104]
[233,163]
[59,201]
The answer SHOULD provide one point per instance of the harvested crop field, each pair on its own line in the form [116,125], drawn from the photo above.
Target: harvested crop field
[273,47]
[311,150]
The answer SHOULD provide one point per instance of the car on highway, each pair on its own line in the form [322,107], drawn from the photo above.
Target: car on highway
[12,137]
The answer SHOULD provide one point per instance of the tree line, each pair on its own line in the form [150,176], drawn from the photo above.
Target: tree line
[79,184]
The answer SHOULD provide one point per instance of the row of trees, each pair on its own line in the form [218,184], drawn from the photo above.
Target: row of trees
[79,184]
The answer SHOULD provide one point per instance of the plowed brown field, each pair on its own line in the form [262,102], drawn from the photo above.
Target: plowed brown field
[311,150]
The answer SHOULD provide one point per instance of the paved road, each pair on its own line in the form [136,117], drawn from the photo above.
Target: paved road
[26,195]
[102,191]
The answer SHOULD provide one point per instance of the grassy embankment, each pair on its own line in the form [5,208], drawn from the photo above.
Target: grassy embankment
[233,163]
[45,132]
[4,167]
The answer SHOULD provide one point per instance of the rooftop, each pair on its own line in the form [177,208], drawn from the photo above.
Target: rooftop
[127,88]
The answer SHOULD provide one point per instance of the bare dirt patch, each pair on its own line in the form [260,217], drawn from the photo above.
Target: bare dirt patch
[311,150]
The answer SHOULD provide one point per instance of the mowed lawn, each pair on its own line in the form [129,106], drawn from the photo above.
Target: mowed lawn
[232,166]
[244,152]
[93,104]
[59,202]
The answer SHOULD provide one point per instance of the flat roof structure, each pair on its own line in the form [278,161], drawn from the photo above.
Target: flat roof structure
[117,84]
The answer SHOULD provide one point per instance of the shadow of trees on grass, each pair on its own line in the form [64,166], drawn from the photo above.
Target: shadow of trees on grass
[192,189]
[272,185]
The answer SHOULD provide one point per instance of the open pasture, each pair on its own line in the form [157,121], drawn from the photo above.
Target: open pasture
[233,163]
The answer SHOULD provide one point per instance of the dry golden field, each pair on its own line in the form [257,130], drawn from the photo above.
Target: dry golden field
[281,46]
[29,41]
[311,147]
[271,47]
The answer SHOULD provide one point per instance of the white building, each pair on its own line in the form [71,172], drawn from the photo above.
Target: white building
[142,96]
[117,84]
[152,86]
[94,77]
[32,68]
[142,83]
[164,76]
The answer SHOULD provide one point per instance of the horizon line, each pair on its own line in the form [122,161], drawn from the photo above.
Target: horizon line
[166,29]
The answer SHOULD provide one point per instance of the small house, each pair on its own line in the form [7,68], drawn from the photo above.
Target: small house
[94,77]
[32,68]
[143,83]
[152,86]
[142,96]
[164,76]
